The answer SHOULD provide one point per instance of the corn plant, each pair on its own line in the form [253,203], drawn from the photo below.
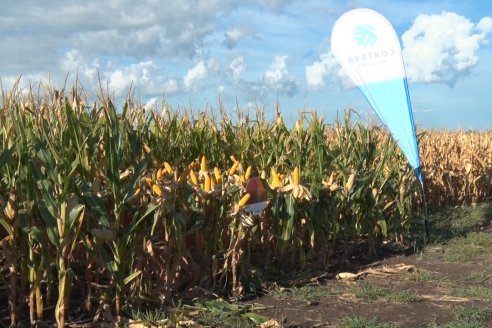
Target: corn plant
[145,203]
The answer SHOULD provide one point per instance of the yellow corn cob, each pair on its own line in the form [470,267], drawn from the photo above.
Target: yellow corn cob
[148,180]
[158,175]
[233,168]
[218,177]
[295,176]
[193,177]
[350,183]
[207,183]
[203,165]
[243,201]
[375,192]
[147,149]
[157,189]
[247,175]
[275,181]
[168,168]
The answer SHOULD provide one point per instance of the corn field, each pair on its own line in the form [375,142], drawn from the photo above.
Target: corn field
[119,207]
[458,166]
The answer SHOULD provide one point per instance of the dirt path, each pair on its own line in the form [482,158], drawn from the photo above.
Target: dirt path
[449,284]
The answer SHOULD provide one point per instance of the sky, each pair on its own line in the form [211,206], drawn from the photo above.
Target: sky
[251,54]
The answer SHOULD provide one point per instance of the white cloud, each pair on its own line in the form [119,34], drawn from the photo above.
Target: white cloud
[199,72]
[73,62]
[213,65]
[443,48]
[121,79]
[171,87]
[234,35]
[151,103]
[237,67]
[317,71]
[326,69]
[278,78]
[485,25]
[108,28]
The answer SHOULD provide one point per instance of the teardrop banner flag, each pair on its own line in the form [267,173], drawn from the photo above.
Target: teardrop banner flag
[368,49]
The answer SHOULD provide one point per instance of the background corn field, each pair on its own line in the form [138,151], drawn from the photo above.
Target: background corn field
[117,207]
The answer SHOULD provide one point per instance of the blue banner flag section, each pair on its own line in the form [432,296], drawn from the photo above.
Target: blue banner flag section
[367,47]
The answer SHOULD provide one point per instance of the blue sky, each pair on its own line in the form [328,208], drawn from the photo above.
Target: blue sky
[253,52]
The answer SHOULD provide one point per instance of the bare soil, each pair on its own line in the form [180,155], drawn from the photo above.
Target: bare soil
[437,283]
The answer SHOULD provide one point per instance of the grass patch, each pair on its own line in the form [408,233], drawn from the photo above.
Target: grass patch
[477,292]
[210,313]
[461,249]
[451,222]
[151,316]
[219,313]
[223,319]
[360,322]
[374,293]
[424,276]
[475,278]
[471,314]
[458,324]
[304,293]
[466,317]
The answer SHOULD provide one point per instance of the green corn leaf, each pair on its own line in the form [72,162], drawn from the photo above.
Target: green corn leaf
[137,174]
[6,156]
[35,234]
[131,277]
[107,260]
[93,202]
[48,200]
[75,219]
[151,208]
[51,225]
[4,222]
[384,227]
[289,224]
